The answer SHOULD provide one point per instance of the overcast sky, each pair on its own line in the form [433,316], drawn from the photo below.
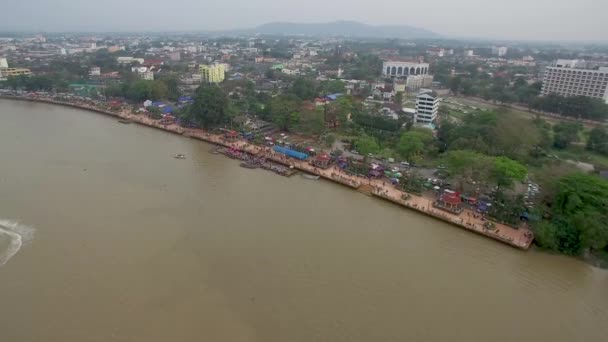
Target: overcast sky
[503,19]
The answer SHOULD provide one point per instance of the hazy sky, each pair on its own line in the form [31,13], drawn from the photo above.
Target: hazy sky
[506,19]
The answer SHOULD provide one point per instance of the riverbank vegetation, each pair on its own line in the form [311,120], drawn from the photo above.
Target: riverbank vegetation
[492,154]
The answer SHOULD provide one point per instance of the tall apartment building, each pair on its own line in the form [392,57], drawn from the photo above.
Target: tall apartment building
[501,51]
[212,73]
[427,107]
[575,78]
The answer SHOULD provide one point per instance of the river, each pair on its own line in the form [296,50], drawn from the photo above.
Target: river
[122,242]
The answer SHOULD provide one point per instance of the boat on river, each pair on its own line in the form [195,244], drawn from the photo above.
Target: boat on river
[249,165]
[125,121]
[311,177]
[179,156]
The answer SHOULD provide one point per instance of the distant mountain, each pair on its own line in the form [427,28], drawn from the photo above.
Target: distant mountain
[345,28]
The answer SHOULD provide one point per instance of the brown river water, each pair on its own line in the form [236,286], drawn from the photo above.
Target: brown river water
[104,236]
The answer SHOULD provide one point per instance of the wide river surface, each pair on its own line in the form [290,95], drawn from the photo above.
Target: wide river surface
[118,241]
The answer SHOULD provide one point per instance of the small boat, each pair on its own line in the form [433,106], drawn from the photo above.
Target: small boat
[311,177]
[249,166]
[125,121]
[179,156]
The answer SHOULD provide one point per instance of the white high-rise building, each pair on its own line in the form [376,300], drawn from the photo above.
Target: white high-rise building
[501,51]
[3,63]
[427,107]
[575,78]
[95,71]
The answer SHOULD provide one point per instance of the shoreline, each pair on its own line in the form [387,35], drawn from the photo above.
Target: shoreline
[519,238]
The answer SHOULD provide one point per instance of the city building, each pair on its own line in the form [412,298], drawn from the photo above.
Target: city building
[144,73]
[501,51]
[290,72]
[416,82]
[575,78]
[212,73]
[397,68]
[129,60]
[115,48]
[95,72]
[3,63]
[10,72]
[427,107]
[436,52]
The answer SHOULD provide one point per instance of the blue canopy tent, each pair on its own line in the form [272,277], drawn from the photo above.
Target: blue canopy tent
[290,153]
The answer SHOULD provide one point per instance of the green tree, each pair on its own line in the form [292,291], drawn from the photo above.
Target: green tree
[210,107]
[140,90]
[398,100]
[505,171]
[159,90]
[566,133]
[366,144]
[282,111]
[464,165]
[412,143]
[513,136]
[598,140]
[545,234]
[342,107]
[579,216]
[154,113]
[172,83]
[454,84]
[332,87]
[304,88]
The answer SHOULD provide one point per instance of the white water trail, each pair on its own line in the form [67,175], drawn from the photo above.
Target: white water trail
[18,234]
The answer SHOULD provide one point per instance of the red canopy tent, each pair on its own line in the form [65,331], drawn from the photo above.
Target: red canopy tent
[322,160]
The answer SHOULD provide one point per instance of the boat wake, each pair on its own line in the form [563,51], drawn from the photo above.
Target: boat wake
[17,234]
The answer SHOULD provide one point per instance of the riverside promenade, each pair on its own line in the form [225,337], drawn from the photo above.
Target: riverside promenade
[520,238]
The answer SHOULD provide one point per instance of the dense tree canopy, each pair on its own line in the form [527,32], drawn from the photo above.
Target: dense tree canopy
[566,133]
[283,111]
[412,143]
[304,88]
[579,216]
[366,144]
[598,140]
[210,107]
[505,171]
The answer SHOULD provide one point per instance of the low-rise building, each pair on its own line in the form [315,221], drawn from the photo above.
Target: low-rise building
[400,68]
[144,73]
[416,82]
[129,60]
[10,72]
[291,72]
[95,72]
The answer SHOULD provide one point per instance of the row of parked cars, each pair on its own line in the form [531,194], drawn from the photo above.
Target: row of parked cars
[533,191]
